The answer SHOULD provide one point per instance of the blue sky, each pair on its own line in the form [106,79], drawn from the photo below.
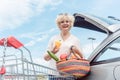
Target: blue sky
[33,21]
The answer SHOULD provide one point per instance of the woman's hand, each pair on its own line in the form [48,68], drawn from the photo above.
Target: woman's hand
[47,57]
[76,51]
[55,50]
[57,46]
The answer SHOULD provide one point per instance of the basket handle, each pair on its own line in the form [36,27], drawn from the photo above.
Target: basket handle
[72,52]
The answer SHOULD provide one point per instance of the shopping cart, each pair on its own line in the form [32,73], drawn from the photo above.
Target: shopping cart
[15,66]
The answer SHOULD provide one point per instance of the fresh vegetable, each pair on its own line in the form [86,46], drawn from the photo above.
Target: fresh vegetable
[57,44]
[63,57]
[52,55]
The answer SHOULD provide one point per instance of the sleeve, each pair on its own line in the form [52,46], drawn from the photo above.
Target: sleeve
[50,44]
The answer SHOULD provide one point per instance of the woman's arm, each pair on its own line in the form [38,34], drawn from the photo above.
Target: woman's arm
[77,51]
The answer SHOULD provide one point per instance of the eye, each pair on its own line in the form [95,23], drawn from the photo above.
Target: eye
[67,21]
[62,22]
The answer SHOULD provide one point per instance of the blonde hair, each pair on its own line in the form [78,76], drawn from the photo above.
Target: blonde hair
[65,16]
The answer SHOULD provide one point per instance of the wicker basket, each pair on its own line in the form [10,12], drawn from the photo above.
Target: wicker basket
[77,68]
[74,66]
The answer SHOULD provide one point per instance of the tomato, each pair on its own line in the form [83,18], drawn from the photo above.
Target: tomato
[63,56]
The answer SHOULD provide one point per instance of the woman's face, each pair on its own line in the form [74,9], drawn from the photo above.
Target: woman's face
[65,25]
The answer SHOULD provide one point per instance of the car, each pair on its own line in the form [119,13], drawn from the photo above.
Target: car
[105,58]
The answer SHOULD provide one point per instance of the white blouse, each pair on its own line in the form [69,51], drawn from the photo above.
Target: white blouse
[64,48]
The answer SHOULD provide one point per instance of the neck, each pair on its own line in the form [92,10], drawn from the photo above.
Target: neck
[65,35]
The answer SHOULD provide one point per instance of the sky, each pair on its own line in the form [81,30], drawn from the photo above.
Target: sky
[32,22]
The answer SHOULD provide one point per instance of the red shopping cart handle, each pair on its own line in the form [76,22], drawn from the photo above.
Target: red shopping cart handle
[11,42]
[2,42]
[2,70]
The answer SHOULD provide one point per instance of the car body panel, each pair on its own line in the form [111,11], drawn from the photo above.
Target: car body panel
[104,72]
[106,69]
[109,67]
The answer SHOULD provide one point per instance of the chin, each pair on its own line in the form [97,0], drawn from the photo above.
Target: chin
[65,31]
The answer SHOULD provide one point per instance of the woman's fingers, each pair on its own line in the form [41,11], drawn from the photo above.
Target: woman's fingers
[55,49]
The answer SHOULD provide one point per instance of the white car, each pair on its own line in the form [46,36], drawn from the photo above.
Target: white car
[105,58]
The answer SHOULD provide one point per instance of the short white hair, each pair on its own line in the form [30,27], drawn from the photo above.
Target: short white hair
[64,16]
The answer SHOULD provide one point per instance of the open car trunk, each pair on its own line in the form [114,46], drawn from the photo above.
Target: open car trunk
[91,22]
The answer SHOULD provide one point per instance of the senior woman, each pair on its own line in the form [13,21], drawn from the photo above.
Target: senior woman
[68,41]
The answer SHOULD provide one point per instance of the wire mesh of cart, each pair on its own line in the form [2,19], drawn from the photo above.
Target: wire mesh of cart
[18,67]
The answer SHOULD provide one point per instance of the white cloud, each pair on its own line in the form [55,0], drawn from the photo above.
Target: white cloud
[42,38]
[13,13]
[37,36]
[31,43]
